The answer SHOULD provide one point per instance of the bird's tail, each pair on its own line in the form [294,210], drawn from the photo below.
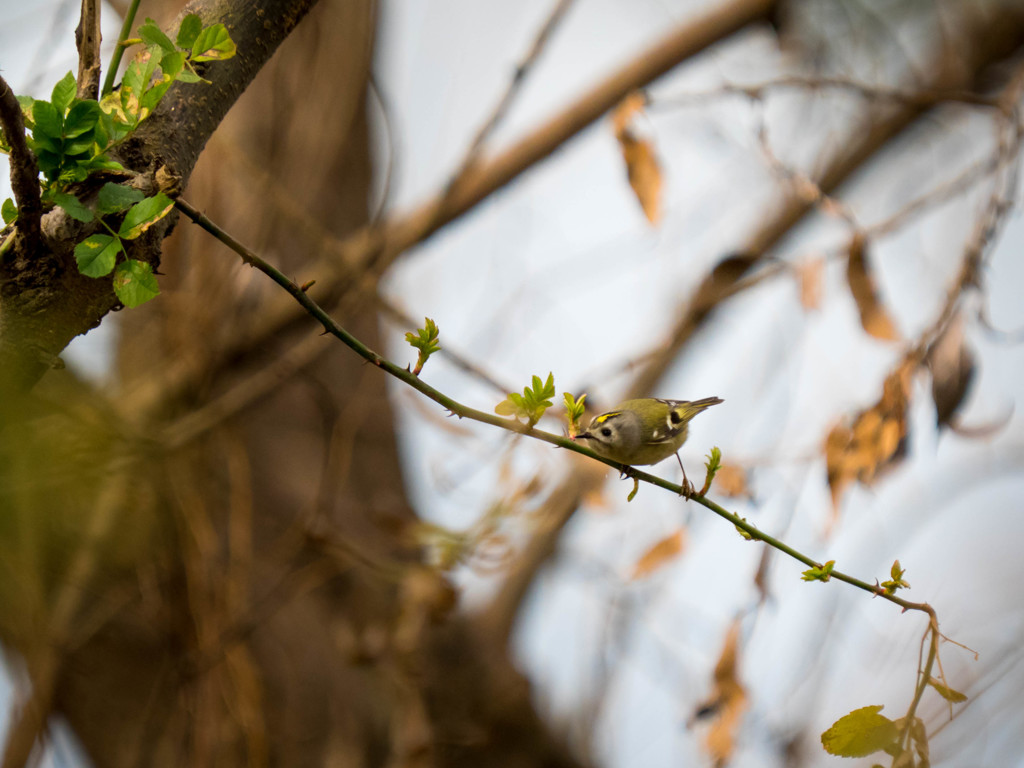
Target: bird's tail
[696,406]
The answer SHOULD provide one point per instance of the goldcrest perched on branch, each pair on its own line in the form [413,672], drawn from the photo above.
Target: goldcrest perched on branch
[644,431]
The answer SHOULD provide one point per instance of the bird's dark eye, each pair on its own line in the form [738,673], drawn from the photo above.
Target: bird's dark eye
[674,417]
[606,432]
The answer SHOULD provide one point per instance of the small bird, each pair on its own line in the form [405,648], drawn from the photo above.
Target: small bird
[644,431]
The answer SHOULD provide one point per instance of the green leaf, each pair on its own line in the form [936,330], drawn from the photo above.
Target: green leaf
[134,81]
[97,254]
[73,206]
[172,64]
[83,145]
[73,172]
[114,198]
[946,692]
[152,59]
[152,97]
[113,119]
[101,163]
[41,142]
[860,733]
[189,30]
[145,214]
[714,462]
[819,572]
[48,161]
[213,44]
[889,586]
[548,390]
[573,411]
[48,123]
[425,339]
[188,75]
[63,93]
[26,102]
[81,118]
[135,283]
[9,211]
[532,403]
[510,406]
[573,406]
[151,34]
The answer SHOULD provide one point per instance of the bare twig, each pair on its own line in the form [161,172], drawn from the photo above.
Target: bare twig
[374,90]
[87,37]
[917,98]
[24,169]
[462,411]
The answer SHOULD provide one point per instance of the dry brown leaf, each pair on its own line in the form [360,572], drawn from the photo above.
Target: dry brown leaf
[811,275]
[728,700]
[658,555]
[731,480]
[952,366]
[761,577]
[642,166]
[623,114]
[644,174]
[874,440]
[873,316]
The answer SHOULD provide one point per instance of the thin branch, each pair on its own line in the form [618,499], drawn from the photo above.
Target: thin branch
[916,98]
[87,38]
[924,675]
[115,57]
[24,169]
[463,411]
[387,126]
